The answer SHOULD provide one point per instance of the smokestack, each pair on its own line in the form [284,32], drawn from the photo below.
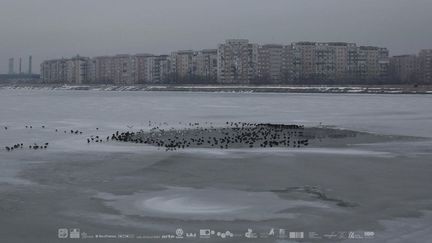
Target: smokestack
[11,66]
[30,65]
[20,65]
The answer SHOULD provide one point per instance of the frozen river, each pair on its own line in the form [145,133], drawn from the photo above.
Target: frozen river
[112,189]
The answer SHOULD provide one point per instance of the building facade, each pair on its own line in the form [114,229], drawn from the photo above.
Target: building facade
[142,68]
[271,61]
[425,66]
[336,62]
[404,68]
[304,60]
[373,64]
[237,62]
[193,66]
[123,69]
[183,65]
[76,70]
[103,69]
[53,71]
[206,63]
[158,69]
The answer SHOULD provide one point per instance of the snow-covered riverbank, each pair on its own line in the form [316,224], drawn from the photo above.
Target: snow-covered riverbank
[369,89]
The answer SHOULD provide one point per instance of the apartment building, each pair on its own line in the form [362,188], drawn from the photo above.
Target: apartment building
[52,71]
[158,69]
[90,74]
[345,62]
[183,65]
[425,65]
[76,70]
[237,62]
[271,62]
[104,69]
[373,63]
[206,65]
[324,63]
[128,69]
[337,62]
[123,69]
[142,68]
[404,68]
[304,59]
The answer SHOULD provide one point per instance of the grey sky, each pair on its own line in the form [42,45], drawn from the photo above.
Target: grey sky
[55,28]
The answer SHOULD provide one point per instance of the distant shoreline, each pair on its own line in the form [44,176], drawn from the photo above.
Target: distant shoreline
[344,89]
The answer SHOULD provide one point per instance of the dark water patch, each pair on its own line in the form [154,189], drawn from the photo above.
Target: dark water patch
[318,194]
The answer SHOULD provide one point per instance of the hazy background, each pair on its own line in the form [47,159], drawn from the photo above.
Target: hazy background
[55,28]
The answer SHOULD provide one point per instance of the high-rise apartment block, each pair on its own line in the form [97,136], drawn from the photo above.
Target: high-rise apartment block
[158,69]
[207,64]
[425,66]
[193,66]
[183,65]
[337,62]
[143,67]
[373,63]
[75,70]
[123,69]
[237,62]
[271,61]
[404,68]
[104,69]
[53,71]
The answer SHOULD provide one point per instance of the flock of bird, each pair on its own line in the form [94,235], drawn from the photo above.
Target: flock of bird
[36,146]
[234,135]
[96,139]
[231,135]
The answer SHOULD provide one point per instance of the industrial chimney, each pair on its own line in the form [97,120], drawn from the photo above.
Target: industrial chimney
[20,65]
[30,65]
[11,66]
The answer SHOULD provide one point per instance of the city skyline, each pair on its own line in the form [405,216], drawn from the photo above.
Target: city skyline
[36,67]
[110,27]
[238,61]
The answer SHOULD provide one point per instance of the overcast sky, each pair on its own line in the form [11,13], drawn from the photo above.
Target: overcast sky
[55,28]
